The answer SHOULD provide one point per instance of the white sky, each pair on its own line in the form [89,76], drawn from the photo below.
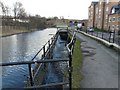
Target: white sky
[72,9]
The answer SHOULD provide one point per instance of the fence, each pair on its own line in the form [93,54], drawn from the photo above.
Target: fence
[47,58]
[110,36]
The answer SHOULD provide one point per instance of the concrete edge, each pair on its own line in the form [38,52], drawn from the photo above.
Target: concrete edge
[106,43]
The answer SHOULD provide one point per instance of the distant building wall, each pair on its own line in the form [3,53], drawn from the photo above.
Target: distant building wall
[99,14]
[108,8]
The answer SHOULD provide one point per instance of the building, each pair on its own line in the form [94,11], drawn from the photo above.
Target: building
[91,14]
[104,15]
[101,14]
[114,17]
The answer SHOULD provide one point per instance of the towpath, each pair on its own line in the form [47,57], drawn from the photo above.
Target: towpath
[100,64]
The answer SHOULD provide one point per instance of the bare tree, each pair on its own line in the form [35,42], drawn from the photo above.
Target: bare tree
[7,11]
[16,9]
[19,13]
[22,14]
[3,8]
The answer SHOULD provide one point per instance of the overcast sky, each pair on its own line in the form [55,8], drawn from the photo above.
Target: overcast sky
[72,9]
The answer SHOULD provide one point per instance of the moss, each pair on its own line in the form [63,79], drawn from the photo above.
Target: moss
[76,64]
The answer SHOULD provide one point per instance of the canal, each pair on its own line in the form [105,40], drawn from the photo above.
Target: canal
[21,47]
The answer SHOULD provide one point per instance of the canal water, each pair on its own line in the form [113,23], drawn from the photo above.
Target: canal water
[55,71]
[21,47]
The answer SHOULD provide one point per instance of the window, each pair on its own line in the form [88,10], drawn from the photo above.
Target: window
[107,1]
[106,16]
[113,19]
[96,10]
[99,10]
[106,8]
[110,19]
[117,27]
[113,11]
[91,6]
[118,19]
[113,27]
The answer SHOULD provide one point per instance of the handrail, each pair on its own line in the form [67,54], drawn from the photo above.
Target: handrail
[33,62]
[70,51]
[37,54]
[70,43]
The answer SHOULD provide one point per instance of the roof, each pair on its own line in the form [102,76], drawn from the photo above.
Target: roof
[95,3]
[116,8]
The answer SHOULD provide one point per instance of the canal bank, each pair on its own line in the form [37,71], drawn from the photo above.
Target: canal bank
[5,33]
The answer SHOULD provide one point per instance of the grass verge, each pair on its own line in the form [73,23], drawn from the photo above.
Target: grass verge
[76,64]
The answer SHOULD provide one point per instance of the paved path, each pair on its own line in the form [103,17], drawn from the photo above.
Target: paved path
[100,64]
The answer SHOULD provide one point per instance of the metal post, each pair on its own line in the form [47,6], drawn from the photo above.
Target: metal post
[86,30]
[114,36]
[30,73]
[70,71]
[43,51]
[44,55]
[97,33]
[109,36]
[49,49]
[52,40]
[102,33]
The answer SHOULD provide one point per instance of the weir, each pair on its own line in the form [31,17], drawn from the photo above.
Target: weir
[47,56]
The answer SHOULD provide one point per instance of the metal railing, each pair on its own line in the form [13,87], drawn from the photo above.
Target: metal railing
[47,58]
[70,48]
[110,36]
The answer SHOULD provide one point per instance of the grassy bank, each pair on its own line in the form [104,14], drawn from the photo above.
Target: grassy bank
[77,63]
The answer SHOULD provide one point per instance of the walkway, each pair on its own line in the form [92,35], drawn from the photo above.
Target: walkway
[100,64]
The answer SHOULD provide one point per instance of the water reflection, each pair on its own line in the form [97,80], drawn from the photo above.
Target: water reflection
[21,47]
